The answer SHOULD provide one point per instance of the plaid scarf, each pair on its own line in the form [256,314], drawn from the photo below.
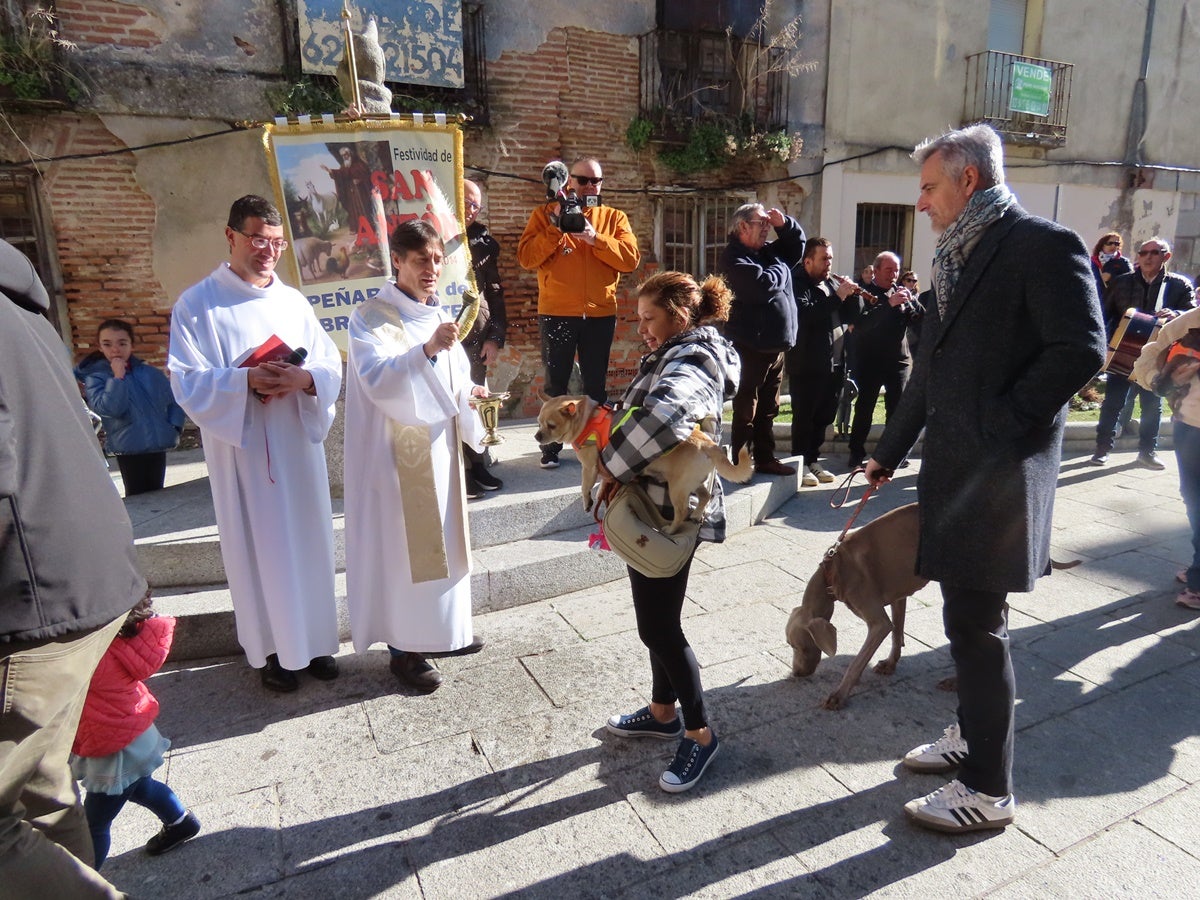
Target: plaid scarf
[956,243]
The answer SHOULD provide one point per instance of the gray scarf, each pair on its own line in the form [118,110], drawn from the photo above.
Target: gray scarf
[956,243]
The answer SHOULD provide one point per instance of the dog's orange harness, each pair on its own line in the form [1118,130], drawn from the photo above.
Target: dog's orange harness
[597,428]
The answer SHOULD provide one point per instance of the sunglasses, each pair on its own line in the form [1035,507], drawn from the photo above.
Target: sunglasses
[587,179]
[1112,243]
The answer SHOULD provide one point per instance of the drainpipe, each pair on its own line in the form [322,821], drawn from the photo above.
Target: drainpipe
[1136,136]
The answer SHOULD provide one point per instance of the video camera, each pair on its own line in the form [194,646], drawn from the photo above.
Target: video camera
[570,219]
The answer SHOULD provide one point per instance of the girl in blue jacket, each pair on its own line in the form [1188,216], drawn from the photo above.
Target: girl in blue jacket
[142,421]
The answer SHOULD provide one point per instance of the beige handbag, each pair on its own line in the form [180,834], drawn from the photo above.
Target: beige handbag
[634,527]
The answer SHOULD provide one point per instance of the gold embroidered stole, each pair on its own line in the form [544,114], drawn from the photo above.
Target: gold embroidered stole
[413,459]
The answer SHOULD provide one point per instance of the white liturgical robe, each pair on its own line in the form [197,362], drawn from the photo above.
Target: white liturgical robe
[408,551]
[266,462]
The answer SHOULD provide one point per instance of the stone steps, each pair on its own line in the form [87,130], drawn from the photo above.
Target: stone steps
[529,540]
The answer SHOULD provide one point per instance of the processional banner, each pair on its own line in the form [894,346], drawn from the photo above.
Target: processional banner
[343,187]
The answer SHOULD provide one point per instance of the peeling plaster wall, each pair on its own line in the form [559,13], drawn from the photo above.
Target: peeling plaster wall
[204,59]
[192,185]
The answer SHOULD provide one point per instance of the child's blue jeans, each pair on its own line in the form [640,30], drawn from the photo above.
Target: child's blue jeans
[101,809]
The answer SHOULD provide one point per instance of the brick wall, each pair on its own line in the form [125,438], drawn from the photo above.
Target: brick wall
[574,96]
[104,224]
[107,22]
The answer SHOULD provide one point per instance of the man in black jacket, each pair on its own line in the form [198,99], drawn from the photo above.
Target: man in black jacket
[816,368]
[487,335]
[881,360]
[68,577]
[1014,330]
[1149,288]
[762,323]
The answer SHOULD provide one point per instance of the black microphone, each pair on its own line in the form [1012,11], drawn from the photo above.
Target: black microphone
[295,358]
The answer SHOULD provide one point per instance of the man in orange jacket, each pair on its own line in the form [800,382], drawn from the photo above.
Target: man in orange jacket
[577,286]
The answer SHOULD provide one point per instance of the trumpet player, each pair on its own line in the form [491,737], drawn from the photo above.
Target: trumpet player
[880,353]
[826,307]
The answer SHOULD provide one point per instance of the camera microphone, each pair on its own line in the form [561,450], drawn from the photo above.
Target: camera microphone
[554,176]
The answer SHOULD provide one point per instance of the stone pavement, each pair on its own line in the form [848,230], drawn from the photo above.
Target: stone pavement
[504,783]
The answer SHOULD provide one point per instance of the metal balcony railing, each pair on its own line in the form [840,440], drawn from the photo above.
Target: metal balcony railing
[695,76]
[989,97]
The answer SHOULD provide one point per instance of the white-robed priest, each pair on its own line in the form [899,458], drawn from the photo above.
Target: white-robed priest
[263,427]
[408,551]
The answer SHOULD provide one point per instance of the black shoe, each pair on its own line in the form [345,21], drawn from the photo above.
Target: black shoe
[854,463]
[774,467]
[276,678]
[484,478]
[1150,461]
[474,491]
[474,647]
[171,836]
[903,464]
[323,668]
[416,672]
[549,458]
[1099,458]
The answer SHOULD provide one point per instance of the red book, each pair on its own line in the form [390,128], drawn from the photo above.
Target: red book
[271,350]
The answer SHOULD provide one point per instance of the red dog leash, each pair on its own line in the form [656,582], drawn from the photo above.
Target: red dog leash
[834,503]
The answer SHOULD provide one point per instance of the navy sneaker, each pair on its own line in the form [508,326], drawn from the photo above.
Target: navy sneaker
[171,836]
[691,759]
[643,724]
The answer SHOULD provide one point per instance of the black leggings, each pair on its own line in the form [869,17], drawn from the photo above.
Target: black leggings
[658,603]
[142,472]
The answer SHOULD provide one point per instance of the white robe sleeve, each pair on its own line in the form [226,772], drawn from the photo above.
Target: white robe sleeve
[214,397]
[324,362]
[406,388]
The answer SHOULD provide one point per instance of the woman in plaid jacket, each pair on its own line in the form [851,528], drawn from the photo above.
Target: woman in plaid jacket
[681,384]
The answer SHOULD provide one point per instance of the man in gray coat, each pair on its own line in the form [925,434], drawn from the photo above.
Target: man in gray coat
[68,576]
[1014,331]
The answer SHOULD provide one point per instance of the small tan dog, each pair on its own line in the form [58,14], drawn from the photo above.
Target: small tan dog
[869,571]
[585,425]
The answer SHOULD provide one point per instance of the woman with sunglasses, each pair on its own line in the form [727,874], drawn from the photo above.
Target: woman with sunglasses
[1107,261]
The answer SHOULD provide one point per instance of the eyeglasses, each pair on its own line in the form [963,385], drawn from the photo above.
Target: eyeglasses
[909,280]
[587,179]
[262,243]
[1155,252]
[472,205]
[1112,243]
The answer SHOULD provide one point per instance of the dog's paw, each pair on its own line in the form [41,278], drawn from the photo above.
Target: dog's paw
[885,667]
[588,503]
[834,701]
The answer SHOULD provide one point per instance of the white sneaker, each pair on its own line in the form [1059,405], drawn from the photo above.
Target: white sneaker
[822,474]
[956,808]
[942,755]
[808,479]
